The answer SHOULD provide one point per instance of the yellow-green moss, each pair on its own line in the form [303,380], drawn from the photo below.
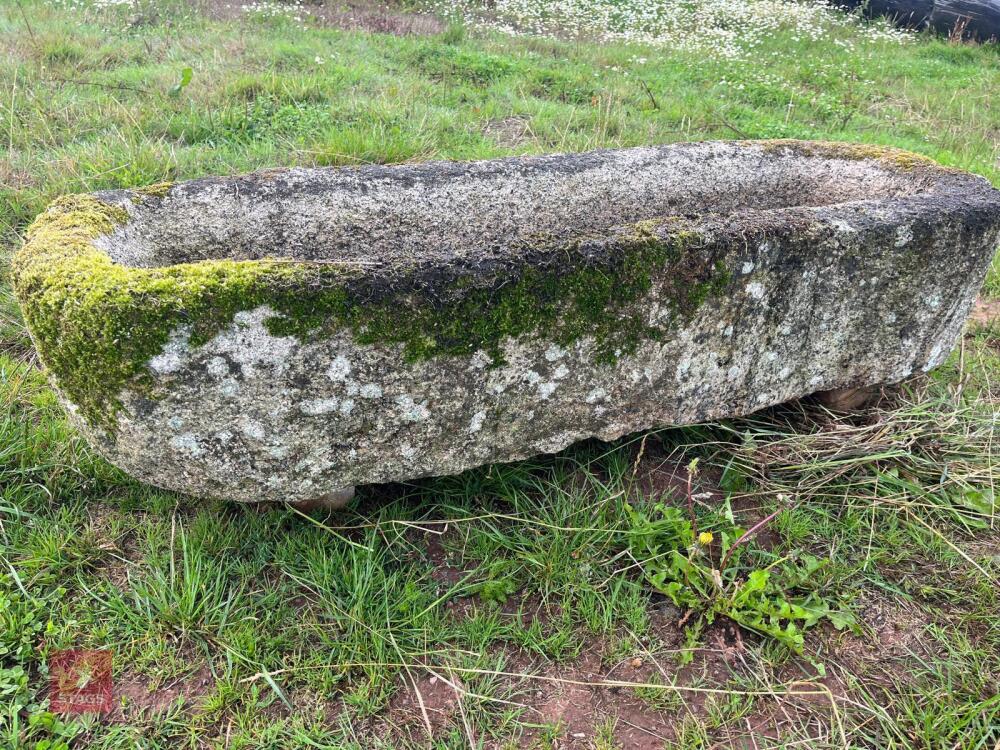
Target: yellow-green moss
[156,190]
[888,155]
[97,324]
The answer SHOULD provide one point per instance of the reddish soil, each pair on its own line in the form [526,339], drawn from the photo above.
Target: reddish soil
[135,694]
[985,312]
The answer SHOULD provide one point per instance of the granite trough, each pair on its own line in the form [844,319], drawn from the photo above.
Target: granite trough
[289,334]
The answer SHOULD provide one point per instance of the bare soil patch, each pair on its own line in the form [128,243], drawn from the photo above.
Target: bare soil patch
[138,695]
[509,132]
[569,698]
[15,178]
[985,312]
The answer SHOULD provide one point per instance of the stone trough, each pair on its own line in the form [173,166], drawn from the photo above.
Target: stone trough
[289,334]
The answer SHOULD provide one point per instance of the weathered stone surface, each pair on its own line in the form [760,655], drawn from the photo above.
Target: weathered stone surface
[287,334]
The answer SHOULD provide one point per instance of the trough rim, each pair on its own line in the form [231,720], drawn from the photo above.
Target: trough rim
[96,323]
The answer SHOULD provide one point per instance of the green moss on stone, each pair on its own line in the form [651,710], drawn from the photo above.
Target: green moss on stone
[893,157]
[97,324]
[566,303]
[156,190]
[712,287]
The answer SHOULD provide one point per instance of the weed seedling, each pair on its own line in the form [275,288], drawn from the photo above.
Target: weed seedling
[773,599]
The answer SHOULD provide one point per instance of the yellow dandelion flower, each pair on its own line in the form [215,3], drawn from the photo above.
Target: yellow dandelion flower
[705,538]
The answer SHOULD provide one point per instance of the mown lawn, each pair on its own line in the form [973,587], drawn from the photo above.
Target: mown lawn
[512,606]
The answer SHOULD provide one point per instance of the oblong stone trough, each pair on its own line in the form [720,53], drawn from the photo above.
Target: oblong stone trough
[289,334]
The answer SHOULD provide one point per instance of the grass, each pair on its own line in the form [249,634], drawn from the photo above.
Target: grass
[510,606]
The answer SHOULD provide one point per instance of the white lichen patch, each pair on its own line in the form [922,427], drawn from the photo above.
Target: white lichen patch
[229,388]
[217,367]
[554,352]
[317,406]
[476,423]
[410,410]
[252,428]
[173,356]
[278,451]
[187,443]
[546,389]
[370,390]
[480,360]
[250,346]
[596,395]
[904,235]
[339,369]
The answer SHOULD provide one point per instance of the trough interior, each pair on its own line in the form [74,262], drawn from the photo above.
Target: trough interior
[439,212]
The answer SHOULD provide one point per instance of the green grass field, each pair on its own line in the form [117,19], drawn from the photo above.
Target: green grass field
[512,606]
